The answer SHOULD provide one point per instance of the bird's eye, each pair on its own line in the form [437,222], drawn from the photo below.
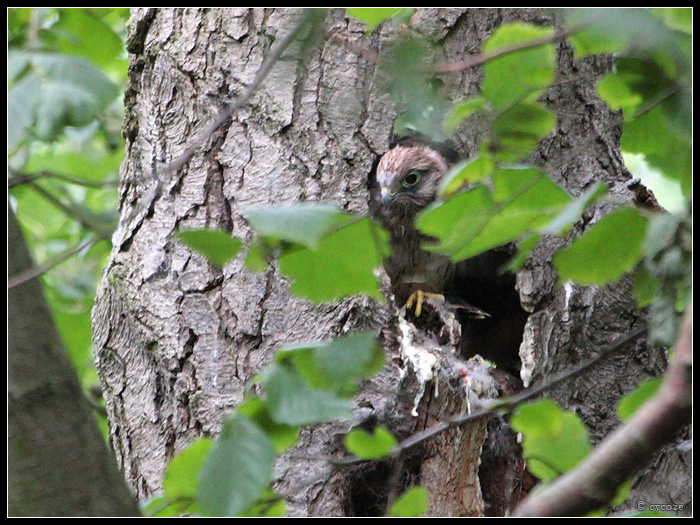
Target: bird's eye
[410,179]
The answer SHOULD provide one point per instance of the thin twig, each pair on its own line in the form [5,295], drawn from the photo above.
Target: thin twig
[74,211]
[508,404]
[231,108]
[355,47]
[41,269]
[453,67]
[17,179]
[481,58]
[669,92]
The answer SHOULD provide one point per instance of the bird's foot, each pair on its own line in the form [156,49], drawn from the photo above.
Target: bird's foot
[418,298]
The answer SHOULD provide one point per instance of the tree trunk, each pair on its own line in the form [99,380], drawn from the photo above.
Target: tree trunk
[176,339]
[57,460]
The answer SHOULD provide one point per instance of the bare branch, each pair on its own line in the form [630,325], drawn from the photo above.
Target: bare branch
[17,179]
[230,109]
[36,271]
[481,58]
[79,214]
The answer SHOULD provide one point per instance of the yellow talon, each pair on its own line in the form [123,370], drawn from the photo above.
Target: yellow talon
[418,297]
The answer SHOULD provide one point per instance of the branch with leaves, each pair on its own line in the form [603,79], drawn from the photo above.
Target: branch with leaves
[518,123]
[594,483]
[303,237]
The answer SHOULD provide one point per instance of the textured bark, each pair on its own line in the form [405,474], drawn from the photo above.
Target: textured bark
[57,461]
[176,339]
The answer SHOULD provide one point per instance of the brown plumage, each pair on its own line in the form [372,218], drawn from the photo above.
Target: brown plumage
[407,177]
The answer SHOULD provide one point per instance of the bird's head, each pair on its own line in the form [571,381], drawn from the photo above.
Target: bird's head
[408,177]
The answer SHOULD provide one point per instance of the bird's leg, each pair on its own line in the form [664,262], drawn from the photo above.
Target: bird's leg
[418,297]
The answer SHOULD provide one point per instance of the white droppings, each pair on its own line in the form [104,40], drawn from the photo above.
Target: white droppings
[568,290]
[424,363]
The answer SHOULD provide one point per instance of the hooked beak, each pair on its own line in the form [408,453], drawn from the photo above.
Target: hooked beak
[387,197]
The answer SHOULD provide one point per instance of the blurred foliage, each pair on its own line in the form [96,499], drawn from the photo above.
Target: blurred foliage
[370,445]
[65,72]
[554,440]
[305,384]
[411,504]
[484,202]
[66,69]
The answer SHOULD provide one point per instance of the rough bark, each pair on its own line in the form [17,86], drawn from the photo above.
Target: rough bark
[57,463]
[176,339]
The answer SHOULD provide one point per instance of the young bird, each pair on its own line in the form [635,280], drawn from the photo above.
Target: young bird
[408,176]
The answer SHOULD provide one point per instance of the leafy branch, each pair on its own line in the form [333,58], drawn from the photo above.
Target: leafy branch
[505,207]
[482,58]
[594,482]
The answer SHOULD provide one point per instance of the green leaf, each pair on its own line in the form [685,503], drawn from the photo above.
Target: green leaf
[88,165]
[464,174]
[257,258]
[304,223]
[269,505]
[554,440]
[182,473]
[458,220]
[291,401]
[421,103]
[373,16]
[614,243]
[238,469]
[678,18]
[629,404]
[513,76]
[22,100]
[623,492]
[601,31]
[653,135]
[616,91]
[75,328]
[73,92]
[462,110]
[573,211]
[472,222]
[624,31]
[64,90]
[79,32]
[366,445]
[525,247]
[517,131]
[282,436]
[644,285]
[338,364]
[637,86]
[527,200]
[162,507]
[411,504]
[216,245]
[343,264]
